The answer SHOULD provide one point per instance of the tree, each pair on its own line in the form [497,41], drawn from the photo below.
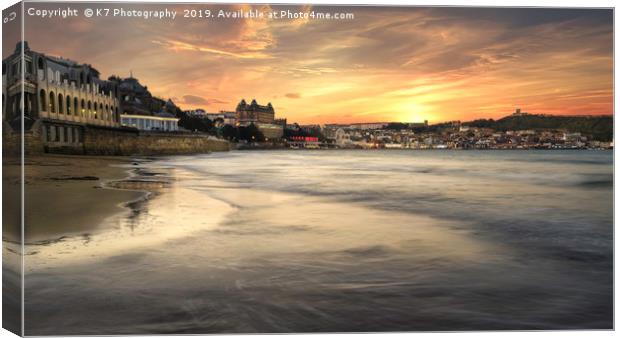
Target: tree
[251,133]
[230,133]
[195,123]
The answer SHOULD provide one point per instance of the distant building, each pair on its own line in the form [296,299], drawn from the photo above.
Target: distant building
[519,113]
[226,118]
[136,99]
[572,137]
[307,142]
[271,131]
[263,117]
[338,136]
[197,112]
[418,124]
[141,110]
[371,125]
[254,113]
[280,122]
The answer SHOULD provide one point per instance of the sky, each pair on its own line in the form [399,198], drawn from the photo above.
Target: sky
[403,64]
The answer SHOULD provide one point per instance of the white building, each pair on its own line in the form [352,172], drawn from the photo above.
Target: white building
[159,122]
[229,118]
[197,112]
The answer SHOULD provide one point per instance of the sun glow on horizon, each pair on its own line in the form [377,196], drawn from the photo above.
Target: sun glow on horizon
[461,64]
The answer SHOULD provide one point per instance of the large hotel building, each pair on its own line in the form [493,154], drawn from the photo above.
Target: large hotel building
[261,116]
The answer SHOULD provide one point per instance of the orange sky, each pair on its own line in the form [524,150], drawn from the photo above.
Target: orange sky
[387,64]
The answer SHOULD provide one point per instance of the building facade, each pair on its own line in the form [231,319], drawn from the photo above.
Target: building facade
[63,94]
[223,118]
[57,89]
[254,113]
[158,122]
[141,110]
[263,117]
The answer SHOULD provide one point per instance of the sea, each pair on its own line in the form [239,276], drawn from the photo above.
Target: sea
[290,241]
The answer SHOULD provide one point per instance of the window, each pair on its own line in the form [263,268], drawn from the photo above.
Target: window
[82,109]
[51,103]
[28,66]
[40,64]
[50,133]
[69,105]
[75,106]
[60,110]
[14,69]
[42,99]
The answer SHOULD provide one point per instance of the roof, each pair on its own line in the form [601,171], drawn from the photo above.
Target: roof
[163,114]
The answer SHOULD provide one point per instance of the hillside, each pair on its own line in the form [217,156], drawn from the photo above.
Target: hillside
[595,127]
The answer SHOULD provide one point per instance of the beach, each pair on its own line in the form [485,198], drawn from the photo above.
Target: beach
[64,194]
[315,241]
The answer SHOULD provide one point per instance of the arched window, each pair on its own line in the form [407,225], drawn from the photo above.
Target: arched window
[51,103]
[40,64]
[90,108]
[69,110]
[95,110]
[42,99]
[103,115]
[60,104]
[75,106]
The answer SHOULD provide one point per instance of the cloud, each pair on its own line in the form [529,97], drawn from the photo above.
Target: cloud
[194,99]
[293,95]
[395,63]
[216,101]
[177,46]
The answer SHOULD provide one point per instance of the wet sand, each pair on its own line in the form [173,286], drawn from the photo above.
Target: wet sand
[65,195]
[225,247]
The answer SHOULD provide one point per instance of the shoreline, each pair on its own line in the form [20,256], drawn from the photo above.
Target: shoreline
[155,217]
[244,148]
[72,195]
[67,195]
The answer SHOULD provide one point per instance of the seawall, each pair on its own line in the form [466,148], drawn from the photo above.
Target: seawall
[94,140]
